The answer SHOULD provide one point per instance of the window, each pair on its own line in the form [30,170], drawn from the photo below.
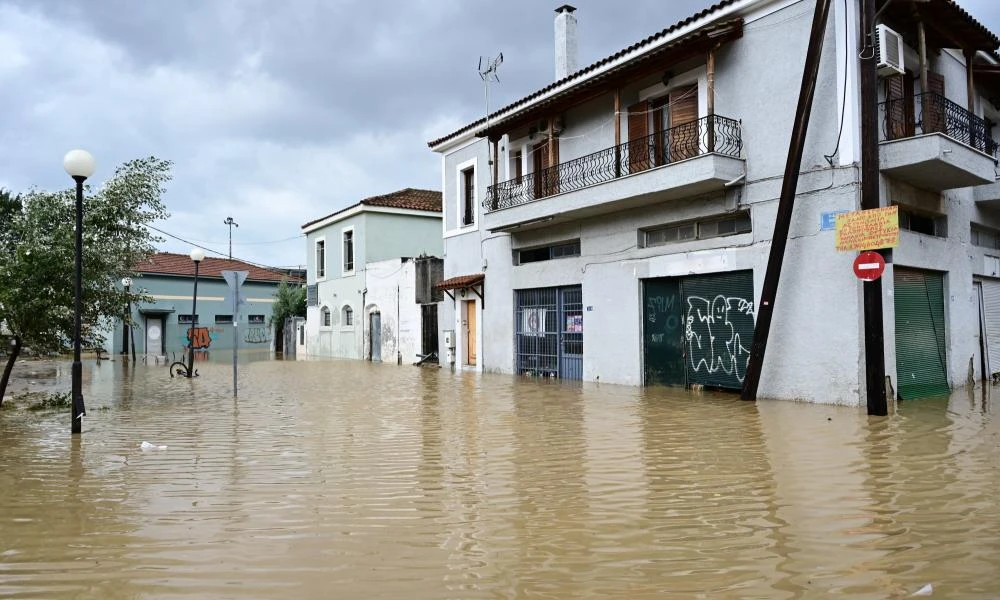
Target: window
[320,259]
[516,169]
[468,196]
[255,319]
[223,319]
[985,238]
[324,317]
[991,265]
[697,230]
[348,316]
[186,319]
[348,250]
[562,250]
[924,223]
[312,295]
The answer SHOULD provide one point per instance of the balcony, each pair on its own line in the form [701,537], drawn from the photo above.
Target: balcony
[935,144]
[693,158]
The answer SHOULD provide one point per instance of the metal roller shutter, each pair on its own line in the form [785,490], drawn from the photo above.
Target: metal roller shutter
[718,314]
[920,336]
[991,317]
[662,332]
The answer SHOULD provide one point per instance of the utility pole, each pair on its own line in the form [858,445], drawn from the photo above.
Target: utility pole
[229,221]
[783,221]
[874,327]
[490,74]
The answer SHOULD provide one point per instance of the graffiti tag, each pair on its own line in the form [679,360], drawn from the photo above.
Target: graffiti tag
[257,335]
[199,338]
[711,331]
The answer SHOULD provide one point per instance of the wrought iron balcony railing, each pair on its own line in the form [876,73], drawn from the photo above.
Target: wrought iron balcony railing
[711,134]
[933,113]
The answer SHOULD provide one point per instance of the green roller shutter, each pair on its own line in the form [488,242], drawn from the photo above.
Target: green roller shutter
[920,338]
[662,332]
[718,317]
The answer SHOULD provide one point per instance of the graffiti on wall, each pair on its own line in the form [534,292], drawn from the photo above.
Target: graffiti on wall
[713,331]
[257,335]
[200,338]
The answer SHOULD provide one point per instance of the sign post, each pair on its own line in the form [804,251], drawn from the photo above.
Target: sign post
[235,279]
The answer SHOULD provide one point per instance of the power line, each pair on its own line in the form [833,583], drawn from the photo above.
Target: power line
[213,251]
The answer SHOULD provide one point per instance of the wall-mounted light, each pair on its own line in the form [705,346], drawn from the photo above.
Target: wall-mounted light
[461,292]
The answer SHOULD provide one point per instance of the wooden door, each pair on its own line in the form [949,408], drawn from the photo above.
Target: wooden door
[470,342]
[933,105]
[638,137]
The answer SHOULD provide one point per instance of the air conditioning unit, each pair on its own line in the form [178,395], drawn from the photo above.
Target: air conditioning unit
[888,51]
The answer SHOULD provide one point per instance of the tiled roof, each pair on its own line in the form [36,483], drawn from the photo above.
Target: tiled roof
[409,198]
[167,263]
[462,281]
[582,73]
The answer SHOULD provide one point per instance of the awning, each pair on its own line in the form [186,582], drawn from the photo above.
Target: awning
[153,310]
[474,282]
[948,25]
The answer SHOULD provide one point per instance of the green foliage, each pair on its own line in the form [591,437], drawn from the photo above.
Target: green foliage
[37,253]
[52,401]
[290,301]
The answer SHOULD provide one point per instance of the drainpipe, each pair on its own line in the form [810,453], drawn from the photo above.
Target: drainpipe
[364,317]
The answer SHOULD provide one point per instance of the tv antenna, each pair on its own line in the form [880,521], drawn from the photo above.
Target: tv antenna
[229,221]
[489,72]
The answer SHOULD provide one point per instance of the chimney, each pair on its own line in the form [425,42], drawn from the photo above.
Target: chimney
[565,41]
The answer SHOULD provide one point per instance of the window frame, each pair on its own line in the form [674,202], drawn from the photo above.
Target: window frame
[317,243]
[347,317]
[551,251]
[185,319]
[325,317]
[256,319]
[223,319]
[344,270]
[697,224]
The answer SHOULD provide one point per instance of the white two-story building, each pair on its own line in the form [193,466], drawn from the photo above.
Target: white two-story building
[615,225]
[370,271]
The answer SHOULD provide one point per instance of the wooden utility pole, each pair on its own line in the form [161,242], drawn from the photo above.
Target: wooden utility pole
[779,239]
[874,333]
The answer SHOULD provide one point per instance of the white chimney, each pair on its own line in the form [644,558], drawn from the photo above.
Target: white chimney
[565,41]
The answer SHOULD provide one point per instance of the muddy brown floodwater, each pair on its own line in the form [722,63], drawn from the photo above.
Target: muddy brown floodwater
[344,479]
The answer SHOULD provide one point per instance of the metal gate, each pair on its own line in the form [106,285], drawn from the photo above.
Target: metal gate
[921,363]
[548,331]
[698,329]
[991,320]
[376,336]
[428,329]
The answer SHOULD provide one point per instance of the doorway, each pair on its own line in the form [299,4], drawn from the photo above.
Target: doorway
[469,310]
[921,360]
[428,329]
[155,342]
[375,336]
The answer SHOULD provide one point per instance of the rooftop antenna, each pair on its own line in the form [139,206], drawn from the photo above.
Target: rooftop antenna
[489,72]
[229,221]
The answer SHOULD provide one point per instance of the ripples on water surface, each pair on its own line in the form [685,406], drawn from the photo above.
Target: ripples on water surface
[352,480]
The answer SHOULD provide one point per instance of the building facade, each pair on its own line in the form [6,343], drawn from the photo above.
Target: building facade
[622,232]
[362,274]
[162,327]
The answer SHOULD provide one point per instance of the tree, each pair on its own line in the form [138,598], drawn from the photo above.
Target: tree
[290,301]
[37,255]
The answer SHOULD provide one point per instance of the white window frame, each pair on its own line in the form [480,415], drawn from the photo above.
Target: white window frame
[354,252]
[326,262]
[344,310]
[472,163]
[324,311]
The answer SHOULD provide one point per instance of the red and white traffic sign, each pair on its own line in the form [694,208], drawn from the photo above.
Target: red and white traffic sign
[869,266]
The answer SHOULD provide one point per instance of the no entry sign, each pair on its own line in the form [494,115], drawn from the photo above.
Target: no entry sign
[869,266]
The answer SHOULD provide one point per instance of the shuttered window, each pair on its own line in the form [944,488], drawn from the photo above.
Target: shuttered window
[546,178]
[896,125]
[685,138]
[468,196]
[638,137]
[933,105]
[921,365]
[718,314]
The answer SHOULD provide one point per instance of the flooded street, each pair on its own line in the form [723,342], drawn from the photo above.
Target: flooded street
[352,480]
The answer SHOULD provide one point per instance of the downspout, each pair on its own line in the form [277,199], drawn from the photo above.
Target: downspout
[364,317]
[779,240]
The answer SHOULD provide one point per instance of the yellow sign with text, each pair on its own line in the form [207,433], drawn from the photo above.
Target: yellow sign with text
[868,229]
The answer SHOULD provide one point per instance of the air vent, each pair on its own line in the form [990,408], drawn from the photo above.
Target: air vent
[888,51]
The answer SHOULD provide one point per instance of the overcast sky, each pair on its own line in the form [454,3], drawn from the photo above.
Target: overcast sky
[277,113]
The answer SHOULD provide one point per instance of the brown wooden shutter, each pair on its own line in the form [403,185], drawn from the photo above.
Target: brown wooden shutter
[895,113]
[933,104]
[684,131]
[656,106]
[638,134]
[540,160]
[554,179]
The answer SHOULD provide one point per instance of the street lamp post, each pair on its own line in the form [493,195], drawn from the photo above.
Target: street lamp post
[188,370]
[80,165]
[126,325]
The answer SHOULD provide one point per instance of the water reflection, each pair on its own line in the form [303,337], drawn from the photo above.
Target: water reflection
[357,480]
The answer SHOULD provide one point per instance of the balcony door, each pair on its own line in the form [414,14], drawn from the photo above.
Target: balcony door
[546,179]
[683,139]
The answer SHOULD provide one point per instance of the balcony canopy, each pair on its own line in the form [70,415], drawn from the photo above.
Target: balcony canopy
[947,24]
